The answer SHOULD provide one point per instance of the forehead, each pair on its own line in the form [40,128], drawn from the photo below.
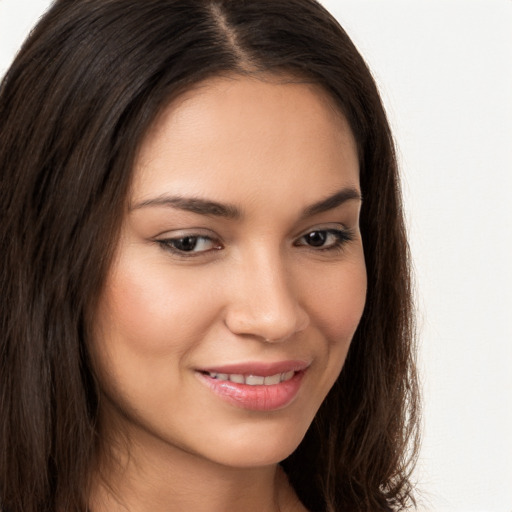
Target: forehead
[244,133]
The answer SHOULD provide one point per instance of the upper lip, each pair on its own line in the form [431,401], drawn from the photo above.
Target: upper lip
[262,369]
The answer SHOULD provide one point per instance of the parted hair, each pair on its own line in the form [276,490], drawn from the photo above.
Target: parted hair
[74,107]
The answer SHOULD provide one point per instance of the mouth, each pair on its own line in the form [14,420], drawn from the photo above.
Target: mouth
[257,387]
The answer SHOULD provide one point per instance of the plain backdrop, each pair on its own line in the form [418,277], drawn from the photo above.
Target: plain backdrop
[444,68]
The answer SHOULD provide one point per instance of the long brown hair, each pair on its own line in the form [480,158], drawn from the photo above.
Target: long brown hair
[74,106]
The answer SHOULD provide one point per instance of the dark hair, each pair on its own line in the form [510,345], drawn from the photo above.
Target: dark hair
[74,107]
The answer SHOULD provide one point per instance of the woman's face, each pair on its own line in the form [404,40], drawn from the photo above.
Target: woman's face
[239,277]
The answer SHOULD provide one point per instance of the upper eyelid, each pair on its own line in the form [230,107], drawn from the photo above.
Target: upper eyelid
[348,232]
[191,235]
[338,229]
[166,244]
[326,226]
[206,233]
[183,233]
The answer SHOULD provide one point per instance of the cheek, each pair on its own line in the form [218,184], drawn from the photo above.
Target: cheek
[336,307]
[151,313]
[338,304]
[335,301]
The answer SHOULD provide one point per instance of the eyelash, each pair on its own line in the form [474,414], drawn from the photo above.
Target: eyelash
[169,244]
[341,237]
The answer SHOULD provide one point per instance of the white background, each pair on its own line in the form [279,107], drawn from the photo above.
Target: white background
[445,72]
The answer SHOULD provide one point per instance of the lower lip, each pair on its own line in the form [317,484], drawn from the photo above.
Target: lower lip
[255,398]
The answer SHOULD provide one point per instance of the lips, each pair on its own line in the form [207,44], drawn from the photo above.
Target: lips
[256,386]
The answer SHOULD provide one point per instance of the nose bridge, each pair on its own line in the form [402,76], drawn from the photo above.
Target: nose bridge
[266,303]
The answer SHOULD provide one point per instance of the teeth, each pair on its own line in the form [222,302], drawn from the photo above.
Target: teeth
[287,375]
[253,380]
[273,379]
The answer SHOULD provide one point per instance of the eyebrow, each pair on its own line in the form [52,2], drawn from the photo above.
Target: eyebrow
[230,211]
[331,202]
[194,205]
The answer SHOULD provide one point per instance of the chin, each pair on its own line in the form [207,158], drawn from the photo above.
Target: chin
[261,444]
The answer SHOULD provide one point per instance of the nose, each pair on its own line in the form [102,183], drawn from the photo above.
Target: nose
[263,302]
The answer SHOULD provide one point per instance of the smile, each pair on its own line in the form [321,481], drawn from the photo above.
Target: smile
[256,386]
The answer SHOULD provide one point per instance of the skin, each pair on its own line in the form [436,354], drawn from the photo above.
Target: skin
[253,288]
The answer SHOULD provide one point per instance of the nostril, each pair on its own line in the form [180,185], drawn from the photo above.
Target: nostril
[270,328]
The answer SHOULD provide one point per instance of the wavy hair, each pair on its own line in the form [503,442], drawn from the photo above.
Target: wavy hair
[74,106]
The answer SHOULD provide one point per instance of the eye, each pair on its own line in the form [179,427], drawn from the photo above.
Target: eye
[325,239]
[189,245]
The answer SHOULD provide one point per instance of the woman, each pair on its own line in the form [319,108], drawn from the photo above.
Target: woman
[199,311]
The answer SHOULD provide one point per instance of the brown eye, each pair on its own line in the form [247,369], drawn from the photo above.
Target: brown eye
[325,239]
[189,245]
[316,238]
[185,244]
